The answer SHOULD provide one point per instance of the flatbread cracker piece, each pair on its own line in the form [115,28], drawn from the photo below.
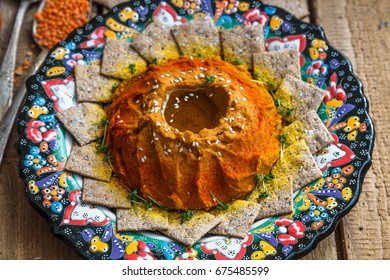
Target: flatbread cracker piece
[88,162]
[83,122]
[121,61]
[198,38]
[156,43]
[311,129]
[298,161]
[240,43]
[237,220]
[271,67]
[190,231]
[111,194]
[91,86]
[299,96]
[280,198]
[138,218]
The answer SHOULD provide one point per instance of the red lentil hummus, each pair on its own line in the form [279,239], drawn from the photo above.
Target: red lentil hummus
[192,133]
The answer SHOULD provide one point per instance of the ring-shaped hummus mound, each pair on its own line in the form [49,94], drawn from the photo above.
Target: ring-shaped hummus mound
[192,133]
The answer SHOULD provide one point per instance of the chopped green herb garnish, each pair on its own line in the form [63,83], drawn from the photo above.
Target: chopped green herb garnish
[154,60]
[260,180]
[162,207]
[285,111]
[135,198]
[186,216]
[101,146]
[271,86]
[264,194]
[220,206]
[283,143]
[239,61]
[114,87]
[210,78]
[132,68]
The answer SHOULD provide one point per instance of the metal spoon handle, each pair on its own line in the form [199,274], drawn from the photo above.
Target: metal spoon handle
[7,122]
[8,65]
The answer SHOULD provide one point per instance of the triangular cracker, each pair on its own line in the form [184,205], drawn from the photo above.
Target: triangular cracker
[297,161]
[198,38]
[121,61]
[138,217]
[271,67]
[240,43]
[88,162]
[156,43]
[83,121]
[111,194]
[299,96]
[189,232]
[311,129]
[237,220]
[92,86]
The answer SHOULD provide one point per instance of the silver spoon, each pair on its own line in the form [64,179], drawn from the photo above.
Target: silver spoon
[10,116]
[8,64]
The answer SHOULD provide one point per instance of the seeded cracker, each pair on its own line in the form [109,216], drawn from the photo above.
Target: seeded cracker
[237,220]
[156,43]
[271,67]
[88,162]
[298,161]
[110,194]
[92,86]
[83,122]
[190,231]
[121,61]
[139,218]
[198,38]
[279,200]
[300,96]
[240,43]
[311,129]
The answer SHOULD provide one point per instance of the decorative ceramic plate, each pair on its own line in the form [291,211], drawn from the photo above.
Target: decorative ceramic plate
[44,144]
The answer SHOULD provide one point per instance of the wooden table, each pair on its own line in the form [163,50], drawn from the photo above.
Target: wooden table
[360,29]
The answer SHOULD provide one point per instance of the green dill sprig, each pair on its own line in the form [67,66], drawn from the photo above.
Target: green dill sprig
[162,207]
[260,183]
[132,68]
[101,146]
[210,78]
[154,60]
[220,206]
[186,216]
[283,109]
[238,61]
[137,199]
[270,85]
[283,143]
[114,87]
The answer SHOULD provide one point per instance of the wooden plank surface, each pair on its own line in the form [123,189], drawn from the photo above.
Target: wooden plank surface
[367,229]
[359,29]
[366,41]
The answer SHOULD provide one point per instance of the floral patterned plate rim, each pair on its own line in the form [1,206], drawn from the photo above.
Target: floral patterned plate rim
[44,145]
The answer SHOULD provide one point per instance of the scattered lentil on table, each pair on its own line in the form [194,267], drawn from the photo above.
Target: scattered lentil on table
[58,19]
